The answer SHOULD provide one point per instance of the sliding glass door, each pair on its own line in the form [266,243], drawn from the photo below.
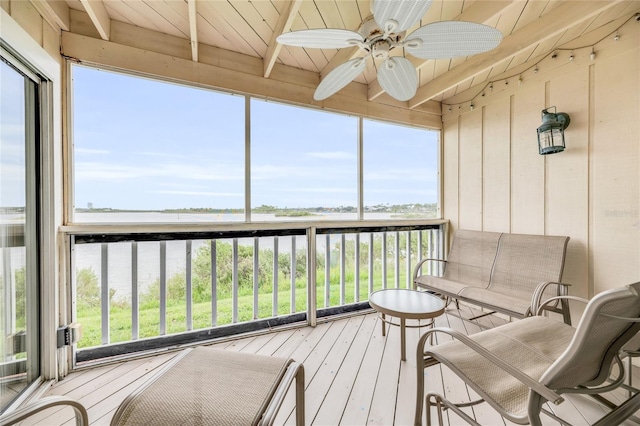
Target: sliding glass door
[19,273]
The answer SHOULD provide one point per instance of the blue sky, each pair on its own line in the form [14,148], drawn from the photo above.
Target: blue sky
[12,135]
[142,144]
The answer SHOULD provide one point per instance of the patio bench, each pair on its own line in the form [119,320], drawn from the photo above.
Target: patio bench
[507,273]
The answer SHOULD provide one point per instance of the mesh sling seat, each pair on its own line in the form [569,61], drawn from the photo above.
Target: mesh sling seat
[519,366]
[205,386]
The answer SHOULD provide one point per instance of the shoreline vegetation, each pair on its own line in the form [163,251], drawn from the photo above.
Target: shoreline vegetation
[396,209]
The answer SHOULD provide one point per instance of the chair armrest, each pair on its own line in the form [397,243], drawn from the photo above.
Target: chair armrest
[82,419]
[419,265]
[536,299]
[553,299]
[533,384]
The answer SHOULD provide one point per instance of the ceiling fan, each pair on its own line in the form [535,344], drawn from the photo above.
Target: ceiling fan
[386,30]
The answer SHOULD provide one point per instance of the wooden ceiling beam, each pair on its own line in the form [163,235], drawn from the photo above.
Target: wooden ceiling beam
[54,12]
[193,29]
[564,16]
[99,16]
[288,14]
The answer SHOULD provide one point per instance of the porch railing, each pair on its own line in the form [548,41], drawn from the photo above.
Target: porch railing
[138,290]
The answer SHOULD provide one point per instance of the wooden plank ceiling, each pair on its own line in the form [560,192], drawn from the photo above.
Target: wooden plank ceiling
[532,30]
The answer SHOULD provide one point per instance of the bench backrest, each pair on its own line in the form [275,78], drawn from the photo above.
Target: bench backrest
[471,257]
[524,261]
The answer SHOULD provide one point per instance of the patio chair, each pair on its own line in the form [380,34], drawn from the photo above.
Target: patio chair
[519,366]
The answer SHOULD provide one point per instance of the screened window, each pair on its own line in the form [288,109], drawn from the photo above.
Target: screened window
[400,171]
[303,163]
[151,151]
[147,150]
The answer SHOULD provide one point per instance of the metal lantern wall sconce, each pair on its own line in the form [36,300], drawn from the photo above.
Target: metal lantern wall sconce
[551,132]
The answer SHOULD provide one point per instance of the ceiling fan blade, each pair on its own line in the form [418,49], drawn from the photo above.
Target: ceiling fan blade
[338,78]
[406,13]
[448,39]
[398,77]
[322,38]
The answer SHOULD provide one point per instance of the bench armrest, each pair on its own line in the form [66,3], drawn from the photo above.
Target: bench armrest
[419,265]
[562,290]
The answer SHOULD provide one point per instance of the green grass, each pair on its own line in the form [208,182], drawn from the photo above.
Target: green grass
[120,324]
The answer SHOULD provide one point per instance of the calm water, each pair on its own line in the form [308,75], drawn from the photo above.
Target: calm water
[119,255]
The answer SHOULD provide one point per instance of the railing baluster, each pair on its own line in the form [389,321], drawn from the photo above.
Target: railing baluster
[255,276]
[214,284]
[234,297]
[311,277]
[420,234]
[408,260]
[104,293]
[293,274]
[384,260]
[189,285]
[9,292]
[430,253]
[163,288]
[342,269]
[396,263]
[275,276]
[327,271]
[135,308]
[356,271]
[371,238]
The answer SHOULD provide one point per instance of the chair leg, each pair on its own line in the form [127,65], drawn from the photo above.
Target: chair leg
[437,404]
[535,408]
[300,396]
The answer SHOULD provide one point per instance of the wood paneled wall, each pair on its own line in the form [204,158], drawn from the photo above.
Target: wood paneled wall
[495,180]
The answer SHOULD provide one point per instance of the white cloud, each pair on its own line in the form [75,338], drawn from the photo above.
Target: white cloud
[322,190]
[91,151]
[199,193]
[86,171]
[331,155]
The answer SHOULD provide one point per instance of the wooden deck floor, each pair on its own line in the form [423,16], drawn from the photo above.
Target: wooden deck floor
[354,376]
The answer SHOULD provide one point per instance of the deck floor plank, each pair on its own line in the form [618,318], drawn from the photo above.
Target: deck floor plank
[382,410]
[359,402]
[332,408]
[353,376]
[326,374]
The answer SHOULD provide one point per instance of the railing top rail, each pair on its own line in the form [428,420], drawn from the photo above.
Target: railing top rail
[122,232]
